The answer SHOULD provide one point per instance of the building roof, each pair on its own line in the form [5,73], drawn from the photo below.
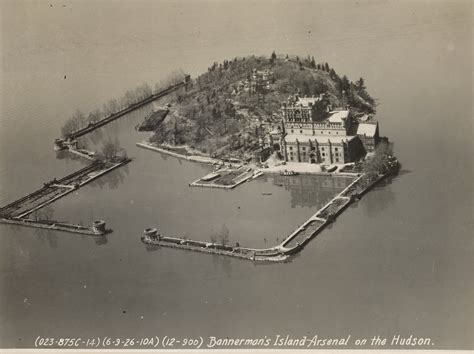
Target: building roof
[321,139]
[366,129]
[275,132]
[307,101]
[338,116]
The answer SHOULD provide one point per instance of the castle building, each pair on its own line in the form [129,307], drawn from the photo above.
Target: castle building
[321,149]
[327,141]
[258,82]
[299,109]
[369,135]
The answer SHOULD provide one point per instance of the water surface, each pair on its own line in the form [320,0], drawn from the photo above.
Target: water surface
[397,262]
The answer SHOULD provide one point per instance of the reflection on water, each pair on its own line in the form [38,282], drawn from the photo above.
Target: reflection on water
[94,137]
[47,237]
[67,155]
[100,240]
[113,179]
[224,263]
[46,213]
[412,278]
[152,248]
[308,190]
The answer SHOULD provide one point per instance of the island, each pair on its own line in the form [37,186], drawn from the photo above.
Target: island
[279,114]
[248,116]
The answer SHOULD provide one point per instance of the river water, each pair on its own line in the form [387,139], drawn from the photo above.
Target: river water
[397,262]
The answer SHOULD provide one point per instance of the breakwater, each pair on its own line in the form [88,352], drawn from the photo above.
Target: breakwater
[91,230]
[92,126]
[18,211]
[292,244]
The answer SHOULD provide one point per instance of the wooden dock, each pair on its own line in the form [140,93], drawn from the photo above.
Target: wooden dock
[227,178]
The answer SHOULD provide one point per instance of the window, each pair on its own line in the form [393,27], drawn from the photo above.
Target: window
[303,148]
[329,132]
[291,147]
[324,154]
[337,132]
[292,130]
[337,160]
[301,132]
[335,149]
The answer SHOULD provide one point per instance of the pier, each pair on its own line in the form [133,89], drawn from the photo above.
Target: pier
[291,245]
[60,143]
[57,225]
[226,178]
[18,211]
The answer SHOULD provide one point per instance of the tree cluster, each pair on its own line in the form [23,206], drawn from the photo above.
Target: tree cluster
[79,120]
[380,162]
[217,118]
[112,150]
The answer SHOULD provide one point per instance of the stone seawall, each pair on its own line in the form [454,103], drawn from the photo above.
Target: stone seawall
[194,158]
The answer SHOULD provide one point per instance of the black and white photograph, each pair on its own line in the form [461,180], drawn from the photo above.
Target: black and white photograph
[211,176]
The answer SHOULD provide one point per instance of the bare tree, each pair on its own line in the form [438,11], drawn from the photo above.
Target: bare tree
[74,123]
[111,149]
[94,116]
[213,237]
[173,78]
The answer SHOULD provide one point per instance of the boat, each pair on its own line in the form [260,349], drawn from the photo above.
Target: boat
[266,193]
[154,119]
[289,173]
[332,169]
[257,174]
[210,176]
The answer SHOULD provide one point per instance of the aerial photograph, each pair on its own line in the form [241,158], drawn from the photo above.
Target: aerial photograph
[217,175]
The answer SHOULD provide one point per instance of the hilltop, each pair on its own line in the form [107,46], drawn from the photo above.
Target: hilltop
[229,109]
